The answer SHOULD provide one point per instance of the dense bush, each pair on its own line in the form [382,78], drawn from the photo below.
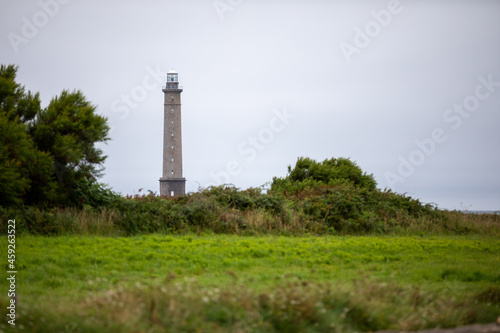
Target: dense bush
[336,192]
[333,171]
[336,197]
[249,199]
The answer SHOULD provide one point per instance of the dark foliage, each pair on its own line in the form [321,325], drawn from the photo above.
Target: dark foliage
[47,155]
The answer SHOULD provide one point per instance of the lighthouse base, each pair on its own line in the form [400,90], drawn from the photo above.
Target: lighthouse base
[172,187]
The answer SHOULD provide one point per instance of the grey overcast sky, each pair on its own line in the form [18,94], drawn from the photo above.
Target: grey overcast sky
[410,90]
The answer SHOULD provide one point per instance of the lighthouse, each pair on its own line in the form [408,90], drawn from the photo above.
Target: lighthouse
[172,183]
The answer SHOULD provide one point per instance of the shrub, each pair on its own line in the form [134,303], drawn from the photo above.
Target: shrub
[333,171]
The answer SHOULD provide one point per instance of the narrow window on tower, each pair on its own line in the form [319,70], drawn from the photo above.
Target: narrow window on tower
[172,111]
[172,159]
[172,122]
[172,172]
[172,147]
[171,193]
[172,134]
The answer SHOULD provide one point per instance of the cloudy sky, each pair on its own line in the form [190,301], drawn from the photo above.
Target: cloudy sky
[410,90]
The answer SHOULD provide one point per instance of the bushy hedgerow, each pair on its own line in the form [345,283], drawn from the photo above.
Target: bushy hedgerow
[338,193]
[335,197]
[208,209]
[348,209]
[249,199]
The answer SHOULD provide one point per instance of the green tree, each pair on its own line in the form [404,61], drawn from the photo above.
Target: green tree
[25,172]
[15,103]
[68,129]
[47,156]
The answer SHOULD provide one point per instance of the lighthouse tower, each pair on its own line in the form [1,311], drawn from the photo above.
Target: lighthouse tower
[172,183]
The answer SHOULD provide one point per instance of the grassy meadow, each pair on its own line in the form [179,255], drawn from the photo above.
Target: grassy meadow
[267,283]
[323,250]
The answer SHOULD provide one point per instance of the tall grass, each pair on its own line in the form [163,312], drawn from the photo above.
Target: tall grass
[90,222]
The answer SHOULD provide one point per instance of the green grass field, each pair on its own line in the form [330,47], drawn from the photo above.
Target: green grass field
[227,283]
